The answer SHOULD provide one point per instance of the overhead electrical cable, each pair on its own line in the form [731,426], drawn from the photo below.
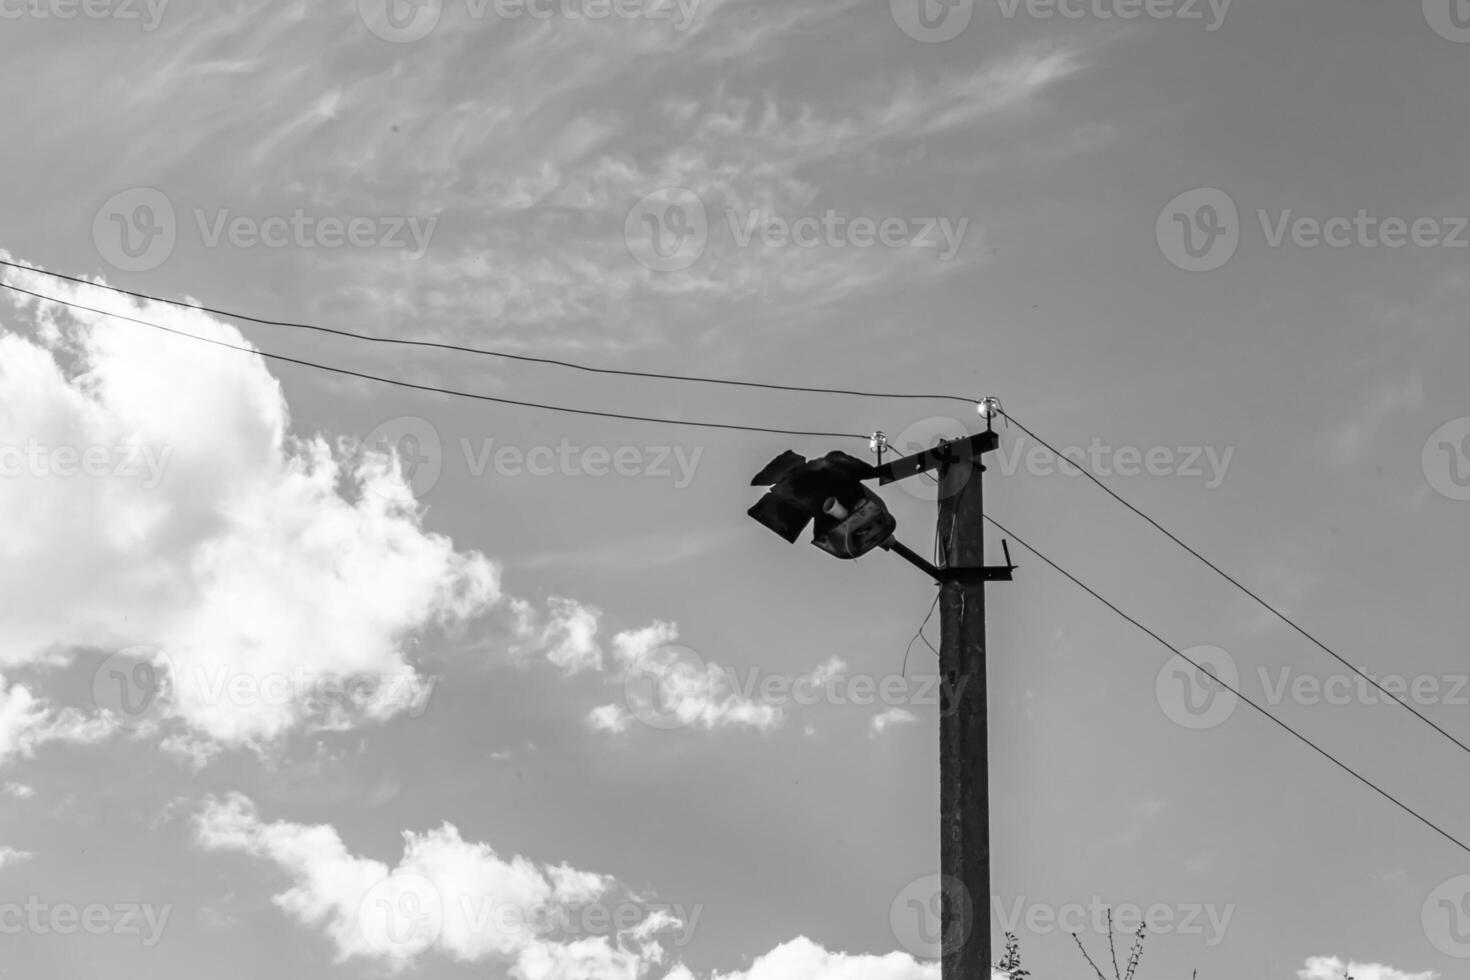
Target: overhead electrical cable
[1247,591]
[768,430]
[481,351]
[1254,596]
[398,382]
[1233,690]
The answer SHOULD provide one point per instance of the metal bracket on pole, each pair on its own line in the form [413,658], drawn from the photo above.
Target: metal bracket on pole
[931,459]
[991,573]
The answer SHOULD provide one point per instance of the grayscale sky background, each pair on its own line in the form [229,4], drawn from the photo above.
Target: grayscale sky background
[1094,217]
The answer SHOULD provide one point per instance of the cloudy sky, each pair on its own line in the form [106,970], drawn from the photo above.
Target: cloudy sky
[306,675]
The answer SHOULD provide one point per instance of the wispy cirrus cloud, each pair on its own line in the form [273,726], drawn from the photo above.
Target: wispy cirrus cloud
[1354,438]
[527,141]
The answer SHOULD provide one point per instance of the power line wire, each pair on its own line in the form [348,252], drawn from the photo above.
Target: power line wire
[759,429]
[432,388]
[486,352]
[1236,582]
[711,425]
[1204,670]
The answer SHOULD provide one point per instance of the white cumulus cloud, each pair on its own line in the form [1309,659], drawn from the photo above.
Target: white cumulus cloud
[155,495]
[446,896]
[1334,968]
[9,855]
[880,723]
[28,722]
[458,899]
[671,687]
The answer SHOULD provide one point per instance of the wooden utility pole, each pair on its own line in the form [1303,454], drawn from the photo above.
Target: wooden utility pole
[964,761]
[850,522]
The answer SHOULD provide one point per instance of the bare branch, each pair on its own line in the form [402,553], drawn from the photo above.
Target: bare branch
[1086,956]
